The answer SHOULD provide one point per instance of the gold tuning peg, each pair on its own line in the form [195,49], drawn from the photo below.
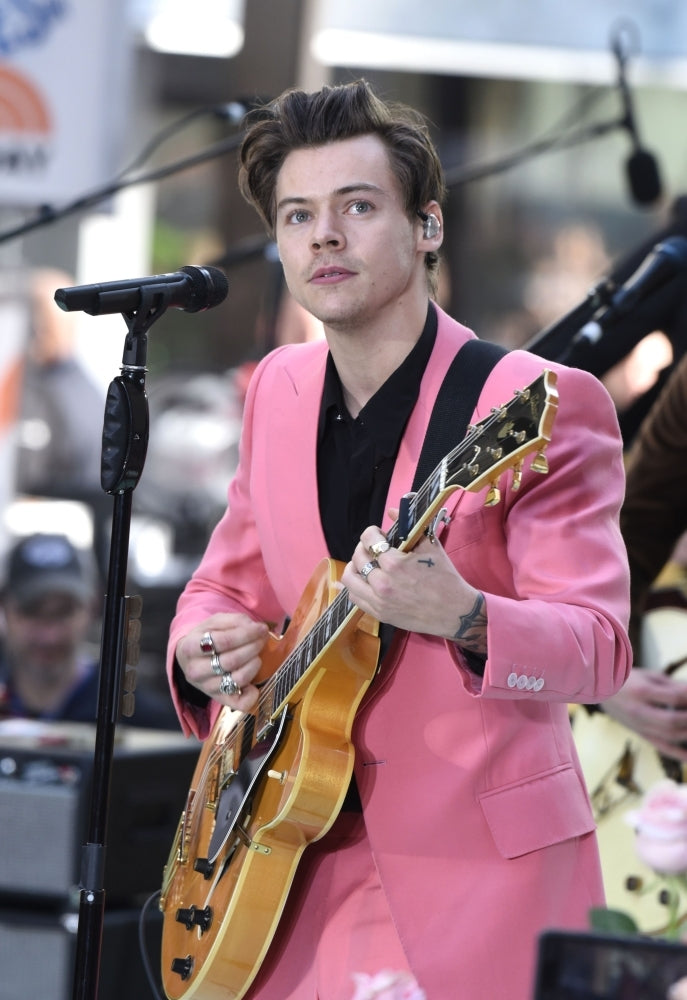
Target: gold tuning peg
[517,477]
[493,496]
[540,463]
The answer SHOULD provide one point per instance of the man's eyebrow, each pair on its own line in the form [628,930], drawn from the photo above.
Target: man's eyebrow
[360,186]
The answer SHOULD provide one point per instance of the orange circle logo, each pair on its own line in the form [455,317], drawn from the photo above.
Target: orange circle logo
[22,108]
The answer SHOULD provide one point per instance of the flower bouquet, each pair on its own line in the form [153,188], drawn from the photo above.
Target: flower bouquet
[660,826]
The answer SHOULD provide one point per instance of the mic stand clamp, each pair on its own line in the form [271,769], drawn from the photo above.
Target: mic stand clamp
[125,443]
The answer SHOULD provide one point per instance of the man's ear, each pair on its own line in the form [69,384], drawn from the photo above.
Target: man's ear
[431,223]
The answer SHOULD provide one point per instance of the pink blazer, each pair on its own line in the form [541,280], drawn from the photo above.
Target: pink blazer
[473,797]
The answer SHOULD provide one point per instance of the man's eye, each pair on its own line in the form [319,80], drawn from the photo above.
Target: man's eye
[360,207]
[299,215]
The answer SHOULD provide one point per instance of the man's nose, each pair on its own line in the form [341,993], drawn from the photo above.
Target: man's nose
[326,232]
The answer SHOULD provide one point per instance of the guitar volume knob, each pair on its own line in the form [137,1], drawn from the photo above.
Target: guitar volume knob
[191,916]
[183,966]
[204,867]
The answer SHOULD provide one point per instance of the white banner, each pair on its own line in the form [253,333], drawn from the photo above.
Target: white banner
[63,73]
[520,39]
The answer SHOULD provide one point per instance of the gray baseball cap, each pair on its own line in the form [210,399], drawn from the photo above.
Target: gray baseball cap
[44,564]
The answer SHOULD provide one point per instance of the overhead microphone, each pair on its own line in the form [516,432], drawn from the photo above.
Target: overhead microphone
[641,168]
[192,289]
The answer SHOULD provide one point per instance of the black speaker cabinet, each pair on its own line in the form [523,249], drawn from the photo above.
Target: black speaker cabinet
[45,800]
[38,951]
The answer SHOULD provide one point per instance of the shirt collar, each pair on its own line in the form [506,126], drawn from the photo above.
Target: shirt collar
[393,401]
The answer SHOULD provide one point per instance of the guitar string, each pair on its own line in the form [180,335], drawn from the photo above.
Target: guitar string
[300,658]
[334,617]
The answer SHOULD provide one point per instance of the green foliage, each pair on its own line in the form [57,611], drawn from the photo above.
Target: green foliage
[611,921]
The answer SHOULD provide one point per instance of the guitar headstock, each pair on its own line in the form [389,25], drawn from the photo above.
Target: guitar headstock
[503,439]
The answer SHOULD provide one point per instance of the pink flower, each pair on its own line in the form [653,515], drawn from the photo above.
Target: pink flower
[387,985]
[678,991]
[661,828]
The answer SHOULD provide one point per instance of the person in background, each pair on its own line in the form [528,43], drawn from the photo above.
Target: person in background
[48,670]
[61,414]
[653,522]
[467,828]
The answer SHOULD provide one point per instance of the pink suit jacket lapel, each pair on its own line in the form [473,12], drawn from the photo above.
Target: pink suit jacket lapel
[450,338]
[298,463]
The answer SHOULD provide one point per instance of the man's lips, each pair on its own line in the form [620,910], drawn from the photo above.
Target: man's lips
[330,275]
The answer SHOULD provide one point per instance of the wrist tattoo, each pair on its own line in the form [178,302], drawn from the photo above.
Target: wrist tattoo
[472,627]
[428,562]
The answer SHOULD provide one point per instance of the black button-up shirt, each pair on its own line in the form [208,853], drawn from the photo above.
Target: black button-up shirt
[356,457]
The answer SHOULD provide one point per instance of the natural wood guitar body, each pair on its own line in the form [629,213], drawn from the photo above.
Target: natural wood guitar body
[267,785]
[303,786]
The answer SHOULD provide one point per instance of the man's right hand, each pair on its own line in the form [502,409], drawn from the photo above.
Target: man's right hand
[233,650]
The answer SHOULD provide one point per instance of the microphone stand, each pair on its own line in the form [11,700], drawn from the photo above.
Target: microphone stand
[553,342]
[125,442]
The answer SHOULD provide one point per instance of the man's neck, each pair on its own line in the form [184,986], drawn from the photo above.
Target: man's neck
[367,356]
[40,694]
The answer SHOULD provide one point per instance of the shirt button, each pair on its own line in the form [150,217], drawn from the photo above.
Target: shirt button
[512,680]
[522,682]
[539,684]
[531,681]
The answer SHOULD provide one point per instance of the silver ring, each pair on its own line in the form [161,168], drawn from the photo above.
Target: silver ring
[207,643]
[216,665]
[379,547]
[228,685]
[368,567]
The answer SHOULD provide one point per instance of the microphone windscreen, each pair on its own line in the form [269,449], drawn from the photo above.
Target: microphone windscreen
[643,177]
[209,287]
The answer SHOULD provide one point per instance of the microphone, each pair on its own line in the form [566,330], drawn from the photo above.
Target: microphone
[666,260]
[641,169]
[192,289]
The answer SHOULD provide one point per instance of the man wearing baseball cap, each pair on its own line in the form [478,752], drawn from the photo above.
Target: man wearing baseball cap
[47,666]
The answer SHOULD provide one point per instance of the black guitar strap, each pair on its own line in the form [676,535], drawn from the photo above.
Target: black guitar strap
[448,424]
[455,403]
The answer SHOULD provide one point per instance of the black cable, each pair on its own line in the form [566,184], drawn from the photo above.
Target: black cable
[50,215]
[216,110]
[463,175]
[143,947]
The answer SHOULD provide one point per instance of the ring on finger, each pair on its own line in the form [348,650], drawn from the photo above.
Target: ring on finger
[368,567]
[207,643]
[216,665]
[378,547]
[228,685]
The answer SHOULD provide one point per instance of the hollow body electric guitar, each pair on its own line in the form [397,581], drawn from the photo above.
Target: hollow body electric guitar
[270,782]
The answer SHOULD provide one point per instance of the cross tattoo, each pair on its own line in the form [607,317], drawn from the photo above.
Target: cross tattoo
[427,562]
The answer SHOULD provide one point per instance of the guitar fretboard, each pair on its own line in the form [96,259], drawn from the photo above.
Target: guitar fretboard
[495,443]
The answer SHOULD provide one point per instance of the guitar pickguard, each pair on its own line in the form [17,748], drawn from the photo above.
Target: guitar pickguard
[237,793]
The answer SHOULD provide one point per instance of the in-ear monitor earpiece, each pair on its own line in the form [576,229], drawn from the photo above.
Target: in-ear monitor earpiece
[431,225]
